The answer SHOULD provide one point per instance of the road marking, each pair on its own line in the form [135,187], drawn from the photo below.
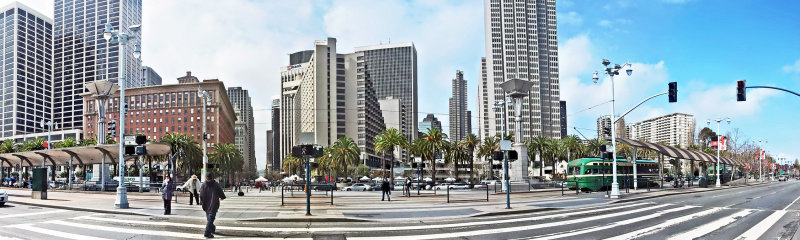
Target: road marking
[615,224]
[129,231]
[659,227]
[392,228]
[513,229]
[759,229]
[30,214]
[790,204]
[59,234]
[712,226]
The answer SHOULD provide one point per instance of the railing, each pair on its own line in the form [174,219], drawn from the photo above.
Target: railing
[291,187]
[467,188]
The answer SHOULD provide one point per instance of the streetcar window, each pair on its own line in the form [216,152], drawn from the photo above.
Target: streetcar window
[594,171]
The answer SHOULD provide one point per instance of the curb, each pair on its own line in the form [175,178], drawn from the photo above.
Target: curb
[80,209]
[493,214]
[310,220]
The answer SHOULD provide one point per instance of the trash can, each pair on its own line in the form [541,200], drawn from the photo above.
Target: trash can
[39,184]
[703,182]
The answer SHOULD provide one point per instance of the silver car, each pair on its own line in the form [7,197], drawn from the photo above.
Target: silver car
[358,187]
[3,197]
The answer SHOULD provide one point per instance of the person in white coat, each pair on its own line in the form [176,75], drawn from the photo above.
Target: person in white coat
[192,186]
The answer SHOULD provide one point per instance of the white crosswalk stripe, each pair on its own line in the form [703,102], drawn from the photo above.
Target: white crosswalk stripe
[668,223]
[759,229]
[54,233]
[712,226]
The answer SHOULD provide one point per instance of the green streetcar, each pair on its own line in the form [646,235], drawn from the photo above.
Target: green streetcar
[595,174]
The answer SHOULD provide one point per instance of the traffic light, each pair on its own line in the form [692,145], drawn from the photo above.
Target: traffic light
[497,155]
[608,155]
[602,148]
[512,156]
[413,165]
[112,128]
[741,94]
[673,92]
[205,136]
[141,139]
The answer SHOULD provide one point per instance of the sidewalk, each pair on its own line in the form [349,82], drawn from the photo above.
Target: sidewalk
[348,206]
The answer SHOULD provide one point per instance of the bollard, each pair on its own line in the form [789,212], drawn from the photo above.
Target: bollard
[282,196]
[448,195]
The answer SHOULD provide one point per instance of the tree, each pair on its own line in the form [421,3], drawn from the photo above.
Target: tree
[538,145]
[490,144]
[470,142]
[705,136]
[418,148]
[88,142]
[67,143]
[454,154]
[388,141]
[33,144]
[194,154]
[594,146]
[292,165]
[110,140]
[344,152]
[435,140]
[229,159]
[8,146]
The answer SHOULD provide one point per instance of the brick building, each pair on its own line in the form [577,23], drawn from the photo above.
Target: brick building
[157,110]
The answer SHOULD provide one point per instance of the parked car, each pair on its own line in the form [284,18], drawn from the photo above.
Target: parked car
[490,182]
[358,187]
[782,178]
[3,197]
[451,186]
[326,187]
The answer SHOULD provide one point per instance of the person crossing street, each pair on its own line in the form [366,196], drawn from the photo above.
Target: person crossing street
[192,186]
[385,190]
[211,193]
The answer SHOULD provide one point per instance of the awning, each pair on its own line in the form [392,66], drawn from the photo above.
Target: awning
[80,155]
[678,153]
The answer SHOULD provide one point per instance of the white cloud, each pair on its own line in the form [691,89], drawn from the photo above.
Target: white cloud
[604,23]
[571,17]
[792,68]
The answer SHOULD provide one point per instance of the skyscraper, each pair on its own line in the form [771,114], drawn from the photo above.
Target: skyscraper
[521,42]
[329,97]
[27,77]
[392,69]
[240,99]
[563,110]
[270,151]
[276,163]
[676,129]
[150,77]
[430,121]
[604,127]
[459,115]
[82,55]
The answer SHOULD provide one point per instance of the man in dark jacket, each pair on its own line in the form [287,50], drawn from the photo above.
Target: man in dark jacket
[385,189]
[210,194]
[166,195]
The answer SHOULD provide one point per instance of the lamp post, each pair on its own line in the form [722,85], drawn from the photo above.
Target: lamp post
[611,72]
[50,125]
[517,89]
[204,94]
[120,37]
[101,91]
[718,120]
[760,161]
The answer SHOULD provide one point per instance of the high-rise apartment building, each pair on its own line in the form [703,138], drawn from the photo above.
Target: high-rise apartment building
[28,74]
[150,77]
[240,98]
[676,129]
[329,97]
[484,116]
[394,116]
[82,55]
[276,157]
[521,42]
[270,151]
[604,128]
[563,111]
[392,69]
[430,121]
[459,115]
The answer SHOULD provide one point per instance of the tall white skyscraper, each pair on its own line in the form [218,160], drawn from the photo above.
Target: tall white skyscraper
[676,129]
[82,55]
[521,42]
[459,115]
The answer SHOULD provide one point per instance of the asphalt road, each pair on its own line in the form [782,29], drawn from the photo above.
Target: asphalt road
[770,211]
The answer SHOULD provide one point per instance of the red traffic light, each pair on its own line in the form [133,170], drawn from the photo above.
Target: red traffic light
[741,93]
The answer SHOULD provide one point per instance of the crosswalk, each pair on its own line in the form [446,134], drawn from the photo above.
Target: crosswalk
[638,220]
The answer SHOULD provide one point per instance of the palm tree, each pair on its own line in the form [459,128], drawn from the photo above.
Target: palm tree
[572,143]
[435,140]
[418,148]
[87,142]
[538,145]
[344,152]
[194,154]
[490,144]
[229,159]
[455,153]
[33,144]
[388,140]
[291,165]
[594,146]
[470,142]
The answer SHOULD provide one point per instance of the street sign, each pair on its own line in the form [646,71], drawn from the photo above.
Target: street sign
[505,145]
[129,140]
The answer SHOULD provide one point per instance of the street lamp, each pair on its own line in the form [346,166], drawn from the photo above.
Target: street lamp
[50,125]
[517,89]
[760,161]
[718,120]
[101,91]
[120,37]
[611,72]
[204,94]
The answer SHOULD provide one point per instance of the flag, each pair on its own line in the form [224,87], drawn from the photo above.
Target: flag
[723,144]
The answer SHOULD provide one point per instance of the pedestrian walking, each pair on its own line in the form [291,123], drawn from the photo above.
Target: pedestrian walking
[238,185]
[211,193]
[408,187]
[192,186]
[385,190]
[166,195]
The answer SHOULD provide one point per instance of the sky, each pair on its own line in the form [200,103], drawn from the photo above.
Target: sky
[705,46]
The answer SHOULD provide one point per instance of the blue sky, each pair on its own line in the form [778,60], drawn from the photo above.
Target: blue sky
[703,45]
